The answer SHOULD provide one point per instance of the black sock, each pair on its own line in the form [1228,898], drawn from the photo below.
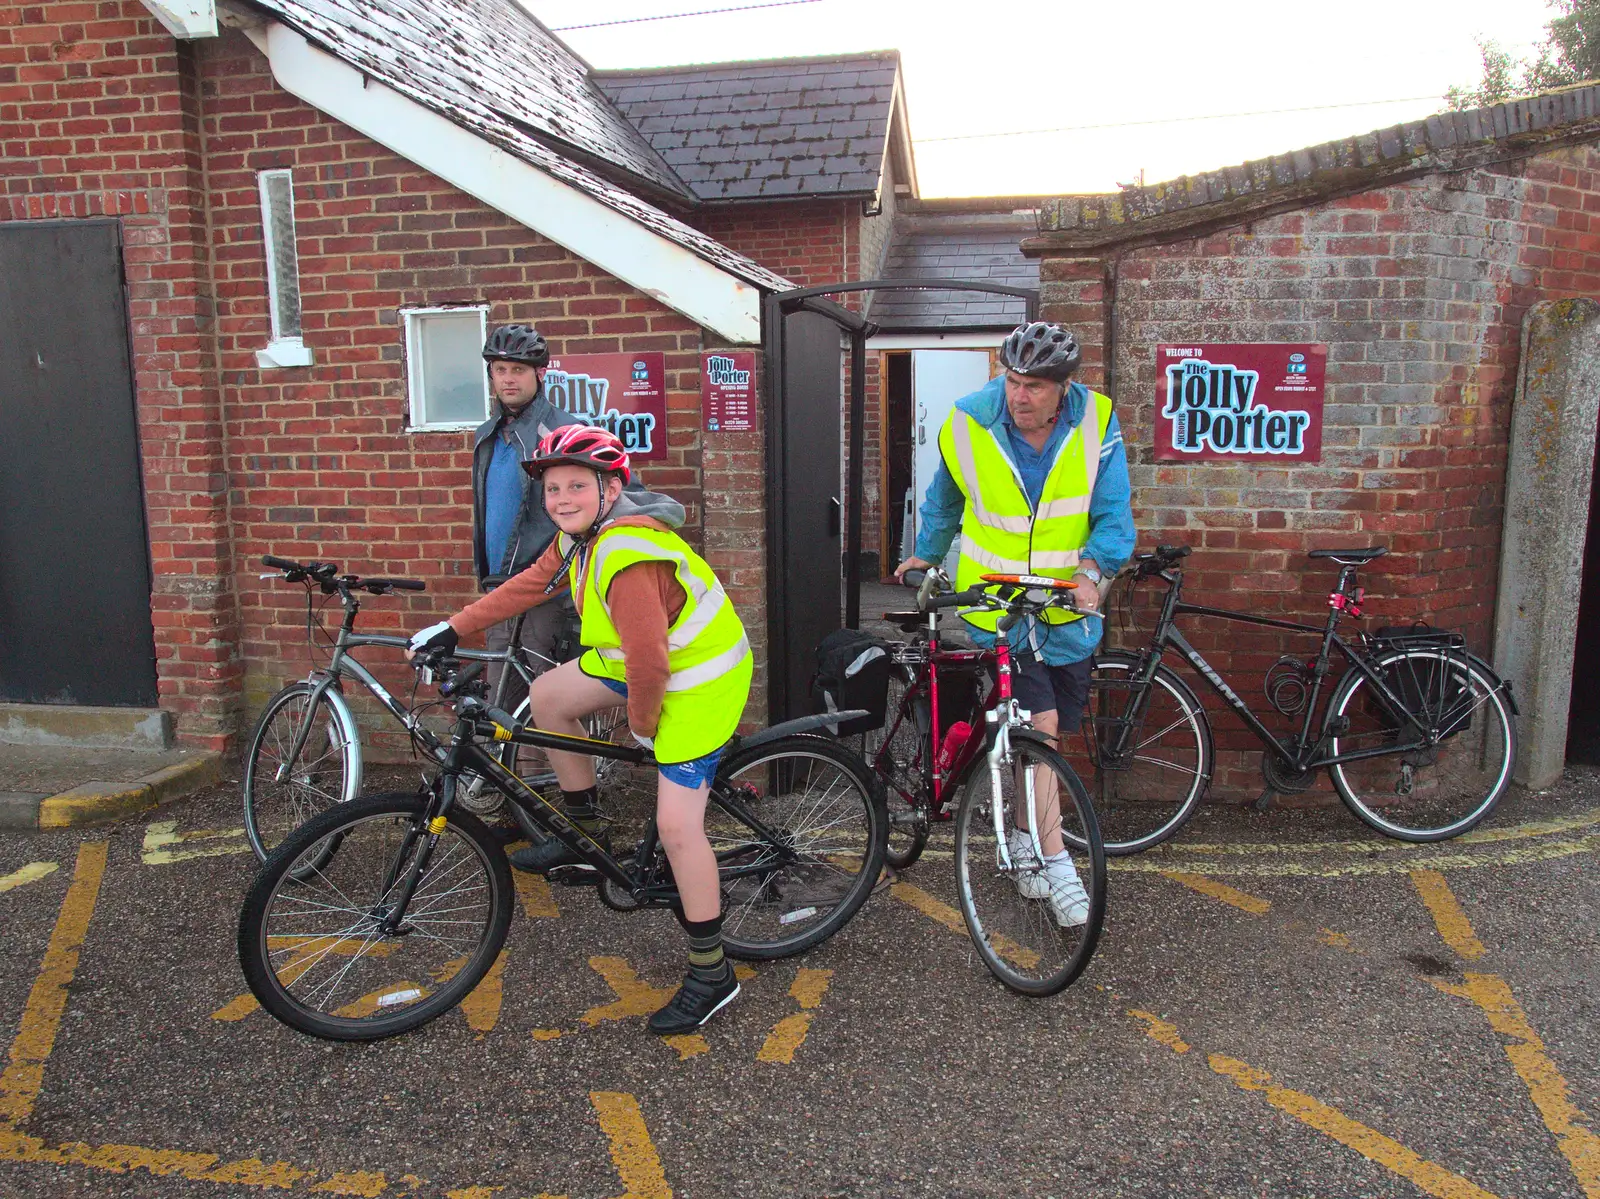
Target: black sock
[706,961]
[581,808]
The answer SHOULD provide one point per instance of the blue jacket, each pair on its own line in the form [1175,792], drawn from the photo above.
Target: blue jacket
[1111,531]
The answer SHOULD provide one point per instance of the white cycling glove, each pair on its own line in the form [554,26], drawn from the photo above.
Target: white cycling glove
[435,637]
[647,742]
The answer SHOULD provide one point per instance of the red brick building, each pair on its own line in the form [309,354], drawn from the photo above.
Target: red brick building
[294,190]
[1413,254]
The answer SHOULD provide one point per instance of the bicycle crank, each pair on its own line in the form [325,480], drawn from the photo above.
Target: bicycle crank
[1284,779]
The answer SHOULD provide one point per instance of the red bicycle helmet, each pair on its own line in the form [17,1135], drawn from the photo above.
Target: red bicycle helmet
[581,445]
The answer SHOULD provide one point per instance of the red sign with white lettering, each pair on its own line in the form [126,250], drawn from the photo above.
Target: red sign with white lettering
[626,393]
[1239,403]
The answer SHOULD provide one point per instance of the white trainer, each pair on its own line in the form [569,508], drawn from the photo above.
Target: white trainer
[1069,902]
[1031,881]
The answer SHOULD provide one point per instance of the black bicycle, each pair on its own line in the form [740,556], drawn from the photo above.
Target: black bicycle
[1417,734]
[380,914]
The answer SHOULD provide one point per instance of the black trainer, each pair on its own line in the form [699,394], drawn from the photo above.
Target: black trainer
[694,1004]
[550,853]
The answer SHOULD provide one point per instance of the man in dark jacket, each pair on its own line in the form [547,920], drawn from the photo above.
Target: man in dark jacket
[509,525]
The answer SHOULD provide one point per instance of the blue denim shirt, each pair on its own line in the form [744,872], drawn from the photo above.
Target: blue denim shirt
[1111,531]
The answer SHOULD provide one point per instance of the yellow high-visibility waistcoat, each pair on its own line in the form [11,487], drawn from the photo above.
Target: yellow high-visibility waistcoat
[707,651]
[1000,531]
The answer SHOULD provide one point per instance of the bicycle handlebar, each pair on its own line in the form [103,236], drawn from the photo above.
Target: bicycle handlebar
[326,574]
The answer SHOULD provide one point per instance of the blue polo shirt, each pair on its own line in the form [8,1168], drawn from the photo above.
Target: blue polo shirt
[502,500]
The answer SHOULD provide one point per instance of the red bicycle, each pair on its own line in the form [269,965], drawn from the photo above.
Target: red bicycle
[1030,866]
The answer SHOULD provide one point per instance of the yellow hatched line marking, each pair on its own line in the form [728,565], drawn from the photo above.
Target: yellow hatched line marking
[160,836]
[482,1004]
[1242,900]
[1448,915]
[946,915]
[1547,1087]
[41,1018]
[1160,1031]
[1368,1142]
[632,1151]
[790,1033]
[31,873]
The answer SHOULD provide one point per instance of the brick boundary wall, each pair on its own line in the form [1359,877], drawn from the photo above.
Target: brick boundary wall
[1419,290]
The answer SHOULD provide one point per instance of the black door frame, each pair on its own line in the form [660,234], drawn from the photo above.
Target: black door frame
[775,307]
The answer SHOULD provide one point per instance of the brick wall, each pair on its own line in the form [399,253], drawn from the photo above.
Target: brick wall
[1418,290]
[99,116]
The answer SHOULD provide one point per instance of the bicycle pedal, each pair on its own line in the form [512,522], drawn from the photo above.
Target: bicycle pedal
[574,875]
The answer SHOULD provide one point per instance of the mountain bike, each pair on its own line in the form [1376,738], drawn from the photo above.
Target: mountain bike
[954,738]
[305,753]
[380,914]
[1417,735]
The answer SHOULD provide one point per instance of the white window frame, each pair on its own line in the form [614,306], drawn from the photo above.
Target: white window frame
[414,376]
[285,349]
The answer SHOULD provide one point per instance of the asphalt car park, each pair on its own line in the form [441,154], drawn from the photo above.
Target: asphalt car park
[1281,1005]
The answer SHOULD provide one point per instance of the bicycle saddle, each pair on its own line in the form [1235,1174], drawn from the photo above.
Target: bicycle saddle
[906,622]
[1350,557]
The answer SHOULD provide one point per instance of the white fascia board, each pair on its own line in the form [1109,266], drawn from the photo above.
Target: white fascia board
[185,19]
[667,272]
[935,341]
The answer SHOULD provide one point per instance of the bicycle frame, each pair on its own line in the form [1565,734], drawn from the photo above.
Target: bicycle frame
[1305,743]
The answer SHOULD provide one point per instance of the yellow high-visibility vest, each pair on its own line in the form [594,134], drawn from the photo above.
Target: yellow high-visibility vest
[707,650]
[1000,531]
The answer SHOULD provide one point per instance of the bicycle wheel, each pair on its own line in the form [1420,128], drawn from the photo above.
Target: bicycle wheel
[798,829]
[608,724]
[280,795]
[898,755]
[1006,903]
[1417,791]
[314,950]
[1144,794]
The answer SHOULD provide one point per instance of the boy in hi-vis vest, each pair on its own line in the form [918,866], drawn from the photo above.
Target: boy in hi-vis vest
[659,631]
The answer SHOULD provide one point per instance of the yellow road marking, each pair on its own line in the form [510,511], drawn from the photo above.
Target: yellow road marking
[1338,940]
[359,1183]
[1159,863]
[31,873]
[164,833]
[41,1018]
[632,1151]
[1244,901]
[236,1009]
[360,1009]
[1451,921]
[688,1045]
[790,1033]
[312,950]
[1160,1030]
[534,891]
[1368,1142]
[635,997]
[946,915]
[482,1004]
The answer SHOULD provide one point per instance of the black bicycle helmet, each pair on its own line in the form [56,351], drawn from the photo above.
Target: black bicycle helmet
[517,343]
[1042,350]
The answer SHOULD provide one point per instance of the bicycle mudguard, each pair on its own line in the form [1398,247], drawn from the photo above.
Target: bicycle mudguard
[802,724]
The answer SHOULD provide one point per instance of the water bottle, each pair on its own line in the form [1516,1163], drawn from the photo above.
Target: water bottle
[954,738]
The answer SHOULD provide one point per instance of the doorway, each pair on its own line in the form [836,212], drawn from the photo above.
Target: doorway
[1583,715]
[74,558]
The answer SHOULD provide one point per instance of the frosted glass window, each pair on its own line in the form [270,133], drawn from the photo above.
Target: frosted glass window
[283,264]
[444,351]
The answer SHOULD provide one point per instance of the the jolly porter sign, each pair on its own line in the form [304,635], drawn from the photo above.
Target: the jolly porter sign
[1227,403]
[625,393]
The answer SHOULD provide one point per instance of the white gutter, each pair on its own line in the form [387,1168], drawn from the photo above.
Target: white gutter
[661,269]
[186,19]
[935,341]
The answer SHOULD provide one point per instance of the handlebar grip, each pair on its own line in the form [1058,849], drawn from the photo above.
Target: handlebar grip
[1173,551]
[913,578]
[396,584]
[461,679]
[504,719]
[280,563]
[956,599]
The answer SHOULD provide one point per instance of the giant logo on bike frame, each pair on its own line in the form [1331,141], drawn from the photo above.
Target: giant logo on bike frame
[1223,403]
[625,393]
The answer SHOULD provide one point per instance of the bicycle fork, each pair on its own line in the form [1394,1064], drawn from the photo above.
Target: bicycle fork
[1000,758]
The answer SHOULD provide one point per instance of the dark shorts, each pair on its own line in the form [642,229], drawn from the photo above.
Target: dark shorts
[1041,688]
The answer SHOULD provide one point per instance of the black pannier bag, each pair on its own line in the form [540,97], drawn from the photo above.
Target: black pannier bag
[1423,688]
[852,672]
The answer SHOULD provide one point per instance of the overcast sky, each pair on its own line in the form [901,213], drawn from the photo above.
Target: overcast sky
[997,68]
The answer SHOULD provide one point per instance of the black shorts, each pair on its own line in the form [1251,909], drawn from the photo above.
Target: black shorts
[1039,687]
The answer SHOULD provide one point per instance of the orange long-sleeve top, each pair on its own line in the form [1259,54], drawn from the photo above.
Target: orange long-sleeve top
[644,599]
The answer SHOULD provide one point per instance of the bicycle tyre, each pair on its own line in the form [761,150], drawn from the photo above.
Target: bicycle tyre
[823,800]
[1018,937]
[283,940]
[1383,792]
[900,768]
[1129,803]
[273,809]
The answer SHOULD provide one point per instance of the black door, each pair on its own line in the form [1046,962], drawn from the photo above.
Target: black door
[806,520]
[74,561]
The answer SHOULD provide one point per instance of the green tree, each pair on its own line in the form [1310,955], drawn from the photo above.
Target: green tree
[1569,53]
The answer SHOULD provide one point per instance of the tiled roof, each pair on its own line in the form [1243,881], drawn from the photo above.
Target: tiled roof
[1448,141]
[976,248]
[437,73]
[760,130]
